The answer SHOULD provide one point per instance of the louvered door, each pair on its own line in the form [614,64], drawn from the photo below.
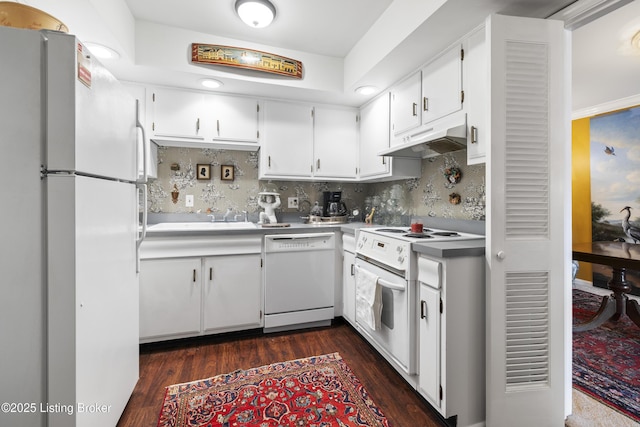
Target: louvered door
[528,252]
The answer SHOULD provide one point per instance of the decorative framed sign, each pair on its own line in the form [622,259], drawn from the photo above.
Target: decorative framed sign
[245,58]
[204,171]
[226,172]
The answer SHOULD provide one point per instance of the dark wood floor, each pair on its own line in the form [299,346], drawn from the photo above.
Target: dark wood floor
[194,360]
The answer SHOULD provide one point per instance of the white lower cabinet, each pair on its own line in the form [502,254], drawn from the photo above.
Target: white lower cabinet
[348,279]
[451,332]
[170,295]
[199,285]
[429,330]
[232,293]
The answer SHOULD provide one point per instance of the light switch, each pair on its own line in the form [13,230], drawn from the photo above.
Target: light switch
[189,200]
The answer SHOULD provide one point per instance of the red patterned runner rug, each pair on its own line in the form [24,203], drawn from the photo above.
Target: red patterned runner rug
[606,360]
[317,391]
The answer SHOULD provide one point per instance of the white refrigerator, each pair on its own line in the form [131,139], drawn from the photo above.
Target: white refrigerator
[69,221]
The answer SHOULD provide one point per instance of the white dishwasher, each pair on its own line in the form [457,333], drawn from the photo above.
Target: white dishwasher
[299,276]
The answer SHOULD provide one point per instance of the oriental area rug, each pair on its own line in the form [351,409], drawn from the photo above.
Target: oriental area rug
[606,360]
[319,391]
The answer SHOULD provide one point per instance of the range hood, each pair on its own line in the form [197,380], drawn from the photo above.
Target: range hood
[444,137]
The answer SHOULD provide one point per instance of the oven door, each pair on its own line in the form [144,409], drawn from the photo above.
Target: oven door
[394,338]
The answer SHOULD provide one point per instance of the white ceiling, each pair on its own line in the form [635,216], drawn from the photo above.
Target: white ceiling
[342,43]
[326,27]
[605,68]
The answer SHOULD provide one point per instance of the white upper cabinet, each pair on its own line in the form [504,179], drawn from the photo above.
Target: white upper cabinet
[374,137]
[177,114]
[335,143]
[405,105]
[195,119]
[297,145]
[426,96]
[442,86]
[475,77]
[287,147]
[234,118]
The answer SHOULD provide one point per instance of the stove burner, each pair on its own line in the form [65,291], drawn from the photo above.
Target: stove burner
[418,236]
[445,233]
[392,230]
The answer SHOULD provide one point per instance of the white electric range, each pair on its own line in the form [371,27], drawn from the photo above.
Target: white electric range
[429,304]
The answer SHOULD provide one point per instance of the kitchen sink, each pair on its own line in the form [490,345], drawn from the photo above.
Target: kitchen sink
[201,226]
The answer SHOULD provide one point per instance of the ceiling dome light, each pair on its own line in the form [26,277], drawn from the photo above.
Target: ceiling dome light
[366,90]
[211,83]
[256,13]
[102,51]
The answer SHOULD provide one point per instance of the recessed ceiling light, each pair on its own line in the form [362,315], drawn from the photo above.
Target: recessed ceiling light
[256,13]
[102,51]
[211,83]
[366,90]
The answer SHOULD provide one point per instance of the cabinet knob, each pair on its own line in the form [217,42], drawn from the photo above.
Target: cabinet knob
[423,309]
[425,104]
[194,275]
[415,109]
[501,255]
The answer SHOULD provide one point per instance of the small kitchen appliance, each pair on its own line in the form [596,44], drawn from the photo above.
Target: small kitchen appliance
[333,205]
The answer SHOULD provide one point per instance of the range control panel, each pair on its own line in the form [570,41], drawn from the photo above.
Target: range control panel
[392,252]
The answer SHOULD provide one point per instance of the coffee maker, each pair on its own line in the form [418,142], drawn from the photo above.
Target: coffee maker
[332,204]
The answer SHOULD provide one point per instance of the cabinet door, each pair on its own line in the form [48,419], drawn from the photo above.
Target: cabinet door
[232,292]
[234,118]
[374,137]
[335,143]
[475,79]
[429,331]
[287,148]
[349,287]
[442,86]
[405,105]
[170,295]
[177,114]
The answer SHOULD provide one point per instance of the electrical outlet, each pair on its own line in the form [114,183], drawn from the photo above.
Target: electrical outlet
[189,200]
[293,202]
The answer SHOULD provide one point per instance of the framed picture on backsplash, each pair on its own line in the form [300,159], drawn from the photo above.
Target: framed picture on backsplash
[204,171]
[226,172]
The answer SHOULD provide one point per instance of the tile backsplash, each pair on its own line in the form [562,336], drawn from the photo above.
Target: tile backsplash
[447,187]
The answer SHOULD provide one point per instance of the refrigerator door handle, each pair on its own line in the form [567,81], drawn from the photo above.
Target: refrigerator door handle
[145,173]
[143,232]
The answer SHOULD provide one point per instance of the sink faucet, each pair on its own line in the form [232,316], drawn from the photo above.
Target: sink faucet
[225,218]
[213,217]
[243,214]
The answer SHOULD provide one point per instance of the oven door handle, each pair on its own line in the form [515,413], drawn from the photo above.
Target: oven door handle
[387,284]
[390,285]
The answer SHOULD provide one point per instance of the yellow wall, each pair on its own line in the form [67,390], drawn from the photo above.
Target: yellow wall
[581,188]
